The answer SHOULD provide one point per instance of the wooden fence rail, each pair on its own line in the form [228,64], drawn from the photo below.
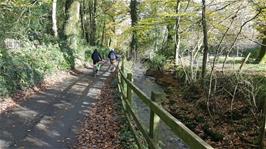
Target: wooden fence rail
[157,113]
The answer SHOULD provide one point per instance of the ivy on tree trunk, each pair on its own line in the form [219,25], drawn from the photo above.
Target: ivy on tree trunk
[134,21]
[205,40]
[177,39]
[262,57]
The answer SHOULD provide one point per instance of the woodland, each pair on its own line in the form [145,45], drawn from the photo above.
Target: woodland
[208,55]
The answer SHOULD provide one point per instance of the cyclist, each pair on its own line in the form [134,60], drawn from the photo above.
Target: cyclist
[96,58]
[113,57]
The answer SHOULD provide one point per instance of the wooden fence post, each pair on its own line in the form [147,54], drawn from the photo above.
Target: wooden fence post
[154,120]
[123,72]
[123,65]
[129,90]
[262,129]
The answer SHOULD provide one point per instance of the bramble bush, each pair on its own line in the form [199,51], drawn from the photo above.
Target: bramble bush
[102,50]
[157,62]
[27,67]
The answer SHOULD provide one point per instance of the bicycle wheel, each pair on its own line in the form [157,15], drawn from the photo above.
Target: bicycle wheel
[94,70]
[98,67]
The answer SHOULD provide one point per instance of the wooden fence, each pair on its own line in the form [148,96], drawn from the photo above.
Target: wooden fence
[157,113]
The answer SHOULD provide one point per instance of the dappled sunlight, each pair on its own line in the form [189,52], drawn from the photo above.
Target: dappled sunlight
[106,74]
[98,85]
[45,121]
[85,111]
[85,103]
[36,142]
[25,113]
[50,119]
[82,84]
[77,89]
[6,133]
[52,133]
[63,105]
[94,93]
[65,60]
[4,144]
[75,129]
[47,94]
[42,101]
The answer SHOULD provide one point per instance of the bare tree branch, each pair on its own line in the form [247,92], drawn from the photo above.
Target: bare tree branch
[240,30]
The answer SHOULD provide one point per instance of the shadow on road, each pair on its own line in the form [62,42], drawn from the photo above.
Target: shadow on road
[50,119]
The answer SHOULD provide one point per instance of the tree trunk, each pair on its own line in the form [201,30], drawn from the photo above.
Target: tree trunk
[205,40]
[67,5]
[169,43]
[93,23]
[88,21]
[54,20]
[82,19]
[261,57]
[134,20]
[103,34]
[109,42]
[72,32]
[177,36]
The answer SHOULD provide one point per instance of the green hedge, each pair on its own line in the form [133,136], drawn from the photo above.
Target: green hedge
[157,62]
[26,67]
[102,50]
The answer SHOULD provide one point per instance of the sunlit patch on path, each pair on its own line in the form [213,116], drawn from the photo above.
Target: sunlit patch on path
[51,118]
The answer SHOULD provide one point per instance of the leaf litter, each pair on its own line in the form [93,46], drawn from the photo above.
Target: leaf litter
[102,125]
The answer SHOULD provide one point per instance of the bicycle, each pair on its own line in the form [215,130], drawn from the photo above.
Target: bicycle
[113,65]
[97,68]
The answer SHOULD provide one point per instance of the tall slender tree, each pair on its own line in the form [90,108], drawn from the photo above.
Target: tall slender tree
[54,20]
[262,54]
[67,5]
[82,18]
[205,40]
[93,23]
[261,21]
[90,12]
[72,32]
[134,21]
[177,36]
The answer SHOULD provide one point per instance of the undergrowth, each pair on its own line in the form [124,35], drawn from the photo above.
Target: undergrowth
[126,136]
[26,67]
[235,101]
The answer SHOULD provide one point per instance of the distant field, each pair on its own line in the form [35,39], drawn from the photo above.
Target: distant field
[232,64]
[252,69]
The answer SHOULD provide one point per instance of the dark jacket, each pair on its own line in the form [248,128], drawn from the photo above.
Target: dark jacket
[96,57]
[109,55]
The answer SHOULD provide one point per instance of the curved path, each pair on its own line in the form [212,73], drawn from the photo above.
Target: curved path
[50,119]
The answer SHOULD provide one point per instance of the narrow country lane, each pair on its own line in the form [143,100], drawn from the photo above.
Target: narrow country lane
[51,118]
